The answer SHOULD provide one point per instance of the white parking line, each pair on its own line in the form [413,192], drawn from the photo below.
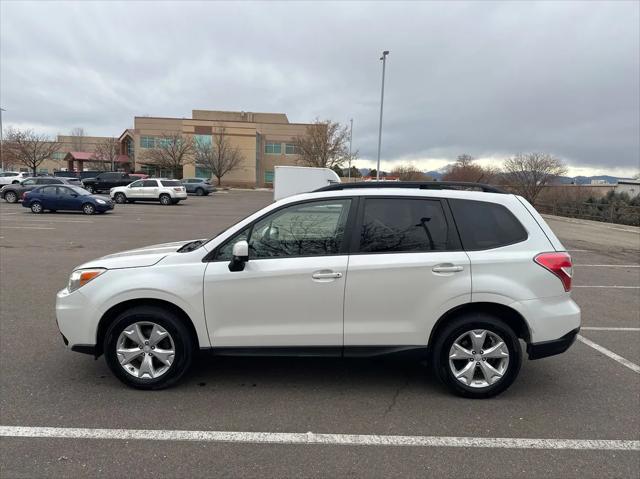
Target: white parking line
[608,265]
[625,362]
[612,286]
[26,227]
[604,328]
[314,438]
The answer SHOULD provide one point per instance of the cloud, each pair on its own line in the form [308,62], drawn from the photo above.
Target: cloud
[489,79]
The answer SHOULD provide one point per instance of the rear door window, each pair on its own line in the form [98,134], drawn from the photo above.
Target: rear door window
[484,225]
[149,183]
[393,225]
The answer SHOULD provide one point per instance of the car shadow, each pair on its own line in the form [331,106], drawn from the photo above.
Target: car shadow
[309,371]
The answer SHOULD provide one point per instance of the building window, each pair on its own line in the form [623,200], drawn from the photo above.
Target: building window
[147,142]
[290,149]
[268,176]
[273,148]
[202,172]
[44,171]
[58,155]
[202,140]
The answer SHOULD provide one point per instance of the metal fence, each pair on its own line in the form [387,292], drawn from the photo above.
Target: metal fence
[609,213]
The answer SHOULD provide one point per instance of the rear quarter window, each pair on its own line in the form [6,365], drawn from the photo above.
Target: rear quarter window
[484,225]
[171,183]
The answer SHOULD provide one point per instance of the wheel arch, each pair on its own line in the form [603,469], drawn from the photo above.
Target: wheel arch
[512,317]
[112,313]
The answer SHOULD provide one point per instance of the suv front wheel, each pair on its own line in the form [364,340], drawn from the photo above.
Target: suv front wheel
[148,347]
[477,356]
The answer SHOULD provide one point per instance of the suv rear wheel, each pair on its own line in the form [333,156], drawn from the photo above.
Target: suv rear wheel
[477,356]
[147,347]
[165,199]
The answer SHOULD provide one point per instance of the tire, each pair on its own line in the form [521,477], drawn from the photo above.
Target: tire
[90,189]
[36,207]
[120,198]
[134,373]
[11,197]
[199,192]
[88,209]
[459,331]
[165,199]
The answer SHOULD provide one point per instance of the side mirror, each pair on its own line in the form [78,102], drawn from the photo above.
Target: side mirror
[240,256]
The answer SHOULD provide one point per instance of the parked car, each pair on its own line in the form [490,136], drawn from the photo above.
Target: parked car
[13,193]
[65,197]
[199,186]
[458,277]
[107,180]
[165,191]
[12,177]
[80,175]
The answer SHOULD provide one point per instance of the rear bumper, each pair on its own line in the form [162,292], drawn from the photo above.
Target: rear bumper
[545,349]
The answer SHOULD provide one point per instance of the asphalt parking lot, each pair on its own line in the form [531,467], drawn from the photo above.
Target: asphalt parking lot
[591,394]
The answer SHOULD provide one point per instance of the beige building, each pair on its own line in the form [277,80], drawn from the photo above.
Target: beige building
[264,139]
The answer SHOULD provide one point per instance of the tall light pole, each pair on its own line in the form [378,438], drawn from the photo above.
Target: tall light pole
[350,143]
[384,64]
[1,142]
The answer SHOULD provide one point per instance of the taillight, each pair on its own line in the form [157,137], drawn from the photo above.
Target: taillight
[177,189]
[559,264]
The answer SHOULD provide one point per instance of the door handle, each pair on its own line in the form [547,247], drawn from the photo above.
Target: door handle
[448,268]
[326,275]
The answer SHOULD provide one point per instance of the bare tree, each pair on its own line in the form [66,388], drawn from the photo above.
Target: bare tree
[325,145]
[408,173]
[172,151]
[28,148]
[219,156]
[77,139]
[464,169]
[107,152]
[527,174]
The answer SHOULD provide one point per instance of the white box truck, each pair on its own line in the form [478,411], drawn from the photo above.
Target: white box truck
[291,180]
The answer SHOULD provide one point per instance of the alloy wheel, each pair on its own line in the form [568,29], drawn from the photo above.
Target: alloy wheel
[478,358]
[145,350]
[10,197]
[36,207]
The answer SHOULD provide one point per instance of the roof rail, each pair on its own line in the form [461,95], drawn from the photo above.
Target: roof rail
[422,185]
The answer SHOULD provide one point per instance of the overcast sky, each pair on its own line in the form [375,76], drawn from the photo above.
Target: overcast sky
[488,79]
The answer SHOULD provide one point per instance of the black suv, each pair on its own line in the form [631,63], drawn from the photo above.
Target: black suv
[106,181]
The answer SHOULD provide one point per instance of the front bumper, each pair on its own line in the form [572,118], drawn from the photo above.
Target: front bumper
[545,349]
[75,317]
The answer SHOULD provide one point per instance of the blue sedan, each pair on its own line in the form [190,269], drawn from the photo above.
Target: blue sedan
[73,198]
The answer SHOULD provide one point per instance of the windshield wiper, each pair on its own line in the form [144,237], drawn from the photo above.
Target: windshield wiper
[192,245]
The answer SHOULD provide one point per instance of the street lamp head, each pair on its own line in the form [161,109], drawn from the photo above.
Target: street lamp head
[384,54]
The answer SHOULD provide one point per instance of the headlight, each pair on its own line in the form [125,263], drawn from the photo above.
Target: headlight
[80,277]
[102,202]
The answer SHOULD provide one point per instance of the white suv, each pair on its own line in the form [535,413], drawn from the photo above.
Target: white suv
[167,192]
[12,177]
[459,277]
